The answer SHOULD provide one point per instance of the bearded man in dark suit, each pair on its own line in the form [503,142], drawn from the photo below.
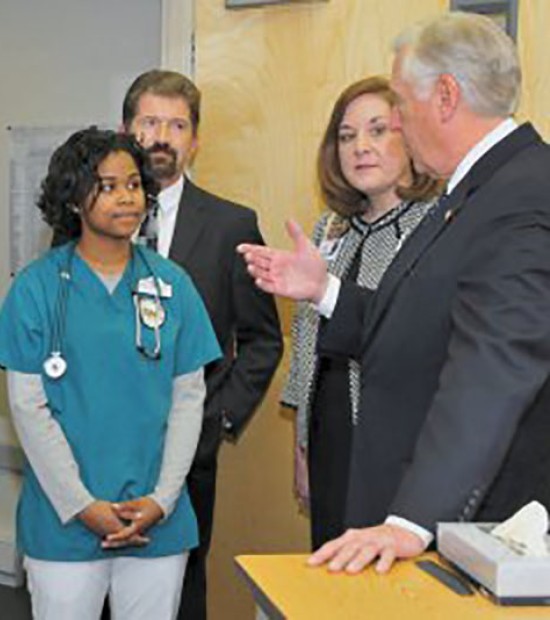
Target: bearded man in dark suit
[200,231]
[455,343]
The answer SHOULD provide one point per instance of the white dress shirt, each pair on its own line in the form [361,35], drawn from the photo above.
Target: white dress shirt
[327,304]
[168,200]
[476,153]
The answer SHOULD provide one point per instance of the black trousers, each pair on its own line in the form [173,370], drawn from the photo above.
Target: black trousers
[201,482]
[330,433]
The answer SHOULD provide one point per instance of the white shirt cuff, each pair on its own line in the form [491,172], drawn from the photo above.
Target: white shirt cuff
[327,304]
[425,535]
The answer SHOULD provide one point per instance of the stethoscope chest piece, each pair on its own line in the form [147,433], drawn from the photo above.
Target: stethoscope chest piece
[55,366]
[151,312]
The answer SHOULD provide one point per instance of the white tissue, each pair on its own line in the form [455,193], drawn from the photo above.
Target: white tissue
[526,529]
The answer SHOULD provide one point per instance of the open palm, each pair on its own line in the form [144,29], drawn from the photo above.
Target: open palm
[299,274]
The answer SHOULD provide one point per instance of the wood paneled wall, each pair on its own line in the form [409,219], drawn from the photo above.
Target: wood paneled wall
[269,77]
[534,19]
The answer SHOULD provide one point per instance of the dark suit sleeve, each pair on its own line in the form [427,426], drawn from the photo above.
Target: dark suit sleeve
[340,336]
[258,340]
[497,361]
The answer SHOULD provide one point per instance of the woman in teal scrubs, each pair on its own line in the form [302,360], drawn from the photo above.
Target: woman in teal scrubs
[105,344]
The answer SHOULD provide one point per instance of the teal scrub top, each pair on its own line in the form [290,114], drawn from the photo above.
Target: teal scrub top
[112,403]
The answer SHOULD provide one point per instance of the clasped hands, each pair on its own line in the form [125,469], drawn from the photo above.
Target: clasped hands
[122,524]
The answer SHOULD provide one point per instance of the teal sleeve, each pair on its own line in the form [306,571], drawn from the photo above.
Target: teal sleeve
[196,343]
[23,339]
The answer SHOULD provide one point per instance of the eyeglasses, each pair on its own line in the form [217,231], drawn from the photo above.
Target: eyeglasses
[174,127]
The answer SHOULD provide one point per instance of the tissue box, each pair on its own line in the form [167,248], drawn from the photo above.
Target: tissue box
[510,577]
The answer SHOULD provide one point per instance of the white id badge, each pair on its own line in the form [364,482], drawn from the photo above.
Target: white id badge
[329,248]
[146,286]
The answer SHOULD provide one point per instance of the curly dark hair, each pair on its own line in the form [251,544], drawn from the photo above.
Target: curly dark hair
[72,176]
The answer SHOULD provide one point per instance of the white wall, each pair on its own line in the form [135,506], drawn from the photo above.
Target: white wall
[67,62]
[178,30]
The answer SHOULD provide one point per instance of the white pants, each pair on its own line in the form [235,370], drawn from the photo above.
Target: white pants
[138,588]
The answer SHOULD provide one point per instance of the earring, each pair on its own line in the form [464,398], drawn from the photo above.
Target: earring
[74,208]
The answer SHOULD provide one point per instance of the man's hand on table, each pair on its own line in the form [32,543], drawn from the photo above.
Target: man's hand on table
[358,548]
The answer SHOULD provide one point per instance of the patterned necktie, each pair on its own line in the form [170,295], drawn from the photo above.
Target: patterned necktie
[149,229]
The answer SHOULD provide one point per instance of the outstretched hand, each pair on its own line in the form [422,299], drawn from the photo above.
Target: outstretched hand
[356,549]
[299,274]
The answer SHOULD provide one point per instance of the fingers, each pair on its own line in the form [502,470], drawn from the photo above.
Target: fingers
[140,514]
[325,553]
[260,269]
[127,511]
[262,259]
[143,512]
[356,549]
[249,248]
[267,286]
[253,254]
[258,264]
[347,557]
[128,536]
[263,277]
[258,258]
[387,558]
[106,522]
[137,540]
[297,235]
[100,518]
[123,534]
[351,552]
[121,524]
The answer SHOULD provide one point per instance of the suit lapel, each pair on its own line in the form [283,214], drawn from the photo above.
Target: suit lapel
[414,247]
[190,224]
[442,215]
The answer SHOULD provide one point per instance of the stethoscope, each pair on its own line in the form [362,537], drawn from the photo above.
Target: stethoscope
[148,309]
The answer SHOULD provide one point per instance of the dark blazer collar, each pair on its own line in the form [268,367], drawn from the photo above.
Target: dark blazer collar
[190,223]
[522,137]
[443,214]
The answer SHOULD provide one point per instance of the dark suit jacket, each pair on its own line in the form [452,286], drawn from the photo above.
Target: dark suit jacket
[245,320]
[455,352]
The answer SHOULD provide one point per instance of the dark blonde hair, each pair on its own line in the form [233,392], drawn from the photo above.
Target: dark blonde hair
[338,194]
[165,84]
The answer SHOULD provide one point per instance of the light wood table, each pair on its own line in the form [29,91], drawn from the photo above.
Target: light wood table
[284,587]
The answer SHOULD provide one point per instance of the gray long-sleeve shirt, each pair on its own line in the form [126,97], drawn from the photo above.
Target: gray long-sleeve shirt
[52,459]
